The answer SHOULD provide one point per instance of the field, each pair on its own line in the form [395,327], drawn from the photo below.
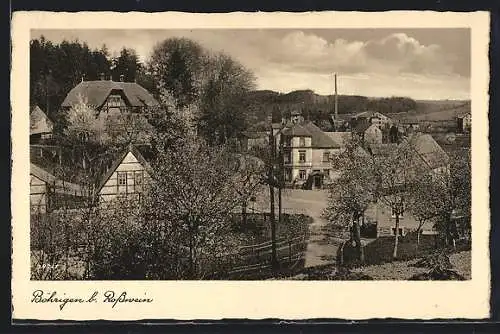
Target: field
[435,111]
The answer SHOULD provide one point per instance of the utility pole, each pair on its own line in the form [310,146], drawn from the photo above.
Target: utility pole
[270,176]
[280,180]
[336,98]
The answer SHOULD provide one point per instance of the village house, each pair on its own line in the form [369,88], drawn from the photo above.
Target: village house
[45,188]
[371,117]
[431,158]
[307,152]
[126,177]
[109,97]
[41,126]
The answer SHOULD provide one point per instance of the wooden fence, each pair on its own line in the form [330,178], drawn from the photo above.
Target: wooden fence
[257,258]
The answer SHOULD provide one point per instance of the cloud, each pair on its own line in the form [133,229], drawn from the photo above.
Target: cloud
[373,64]
[394,54]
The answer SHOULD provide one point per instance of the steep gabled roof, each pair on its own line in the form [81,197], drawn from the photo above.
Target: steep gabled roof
[117,162]
[428,150]
[319,138]
[96,93]
[60,185]
[39,121]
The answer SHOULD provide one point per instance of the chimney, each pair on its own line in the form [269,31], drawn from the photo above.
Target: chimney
[102,76]
[122,78]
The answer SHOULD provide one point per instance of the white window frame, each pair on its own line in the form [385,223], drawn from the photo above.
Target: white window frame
[302,141]
[138,186]
[118,184]
[326,154]
[302,171]
[300,155]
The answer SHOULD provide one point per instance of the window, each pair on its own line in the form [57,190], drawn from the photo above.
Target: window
[302,142]
[114,101]
[302,156]
[139,177]
[288,174]
[302,174]
[326,156]
[287,158]
[122,178]
[394,210]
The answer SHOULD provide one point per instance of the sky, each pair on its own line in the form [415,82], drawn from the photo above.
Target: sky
[426,63]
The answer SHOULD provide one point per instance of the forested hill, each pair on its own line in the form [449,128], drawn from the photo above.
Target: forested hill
[318,108]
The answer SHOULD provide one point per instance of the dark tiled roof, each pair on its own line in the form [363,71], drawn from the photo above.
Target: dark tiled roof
[297,130]
[96,93]
[319,138]
[428,150]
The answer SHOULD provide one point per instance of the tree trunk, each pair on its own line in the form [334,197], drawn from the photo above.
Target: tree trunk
[396,238]
[356,235]
[418,236]
[244,213]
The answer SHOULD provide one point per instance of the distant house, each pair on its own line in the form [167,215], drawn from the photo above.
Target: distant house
[385,218]
[41,126]
[126,178]
[109,97]
[45,187]
[371,117]
[464,122]
[428,156]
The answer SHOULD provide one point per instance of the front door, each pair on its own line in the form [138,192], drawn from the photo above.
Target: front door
[318,180]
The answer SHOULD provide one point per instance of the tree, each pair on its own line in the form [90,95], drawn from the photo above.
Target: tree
[222,99]
[177,65]
[422,202]
[353,191]
[195,189]
[452,194]
[56,68]
[214,85]
[126,64]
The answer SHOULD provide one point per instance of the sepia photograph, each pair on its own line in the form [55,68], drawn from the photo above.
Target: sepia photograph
[253,154]
[271,165]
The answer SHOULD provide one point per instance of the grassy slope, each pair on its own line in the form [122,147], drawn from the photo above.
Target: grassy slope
[435,110]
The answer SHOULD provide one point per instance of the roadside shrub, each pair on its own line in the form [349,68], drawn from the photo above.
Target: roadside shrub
[438,274]
[435,260]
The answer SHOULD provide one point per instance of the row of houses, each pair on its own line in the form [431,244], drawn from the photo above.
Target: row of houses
[307,150]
